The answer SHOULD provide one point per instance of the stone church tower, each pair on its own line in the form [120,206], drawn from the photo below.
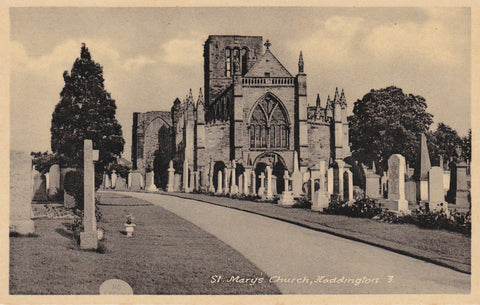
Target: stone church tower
[253,111]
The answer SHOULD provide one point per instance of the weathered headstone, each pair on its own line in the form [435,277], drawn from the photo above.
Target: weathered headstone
[320,200]
[114,179]
[191,180]
[411,191]
[54,183]
[171,177]
[186,189]
[39,186]
[107,181]
[460,185]
[150,185]
[129,179]
[253,184]
[137,181]
[274,185]
[421,170]
[226,180]
[115,287]
[219,182]
[261,189]
[396,182]
[286,199]
[297,177]
[21,193]
[330,181]
[241,180]
[246,184]
[372,185]
[121,184]
[234,187]
[89,236]
[177,182]
[348,185]
[435,188]
[268,194]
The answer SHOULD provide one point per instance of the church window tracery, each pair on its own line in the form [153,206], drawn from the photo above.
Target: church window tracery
[269,125]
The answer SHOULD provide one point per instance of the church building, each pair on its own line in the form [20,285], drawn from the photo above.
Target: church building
[252,113]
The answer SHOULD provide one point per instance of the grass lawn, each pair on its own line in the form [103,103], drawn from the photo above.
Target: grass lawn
[444,247]
[167,255]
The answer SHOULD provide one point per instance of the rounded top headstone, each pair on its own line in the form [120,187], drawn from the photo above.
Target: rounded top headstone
[115,286]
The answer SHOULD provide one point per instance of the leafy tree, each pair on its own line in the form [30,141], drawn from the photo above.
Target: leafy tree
[443,141]
[386,122]
[43,161]
[85,111]
[467,146]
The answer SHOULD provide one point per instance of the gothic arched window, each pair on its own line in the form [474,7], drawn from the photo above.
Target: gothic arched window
[244,61]
[269,125]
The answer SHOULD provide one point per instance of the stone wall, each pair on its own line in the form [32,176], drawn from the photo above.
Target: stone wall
[318,142]
[217,143]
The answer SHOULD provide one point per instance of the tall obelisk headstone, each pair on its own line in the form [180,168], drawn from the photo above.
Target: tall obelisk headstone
[396,182]
[421,169]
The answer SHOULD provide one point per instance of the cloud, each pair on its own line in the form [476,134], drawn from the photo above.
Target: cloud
[64,54]
[333,40]
[430,42]
[184,52]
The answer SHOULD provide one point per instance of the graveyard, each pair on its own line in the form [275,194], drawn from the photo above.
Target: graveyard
[51,241]
[215,185]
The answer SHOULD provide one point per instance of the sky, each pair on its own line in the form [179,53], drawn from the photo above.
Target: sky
[150,56]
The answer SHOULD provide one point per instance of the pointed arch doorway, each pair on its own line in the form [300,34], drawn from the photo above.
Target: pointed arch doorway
[276,162]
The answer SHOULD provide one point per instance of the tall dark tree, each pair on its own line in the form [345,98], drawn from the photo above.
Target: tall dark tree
[467,146]
[85,111]
[443,141]
[386,122]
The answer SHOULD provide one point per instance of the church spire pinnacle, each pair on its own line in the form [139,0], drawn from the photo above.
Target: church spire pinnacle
[300,63]
[318,102]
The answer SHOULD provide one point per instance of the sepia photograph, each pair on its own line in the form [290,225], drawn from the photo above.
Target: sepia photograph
[212,150]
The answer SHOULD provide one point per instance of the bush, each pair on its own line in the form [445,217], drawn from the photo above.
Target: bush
[302,203]
[362,208]
[73,185]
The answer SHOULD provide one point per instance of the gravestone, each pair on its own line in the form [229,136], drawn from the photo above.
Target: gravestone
[177,182]
[107,181]
[411,191]
[129,179]
[446,181]
[459,186]
[268,194]
[219,182]
[171,177]
[89,236]
[330,181]
[436,194]
[297,177]
[54,181]
[185,176]
[39,187]
[253,184]
[347,185]
[241,180]
[150,185]
[121,184]
[246,184]
[226,180]
[320,200]
[234,187]
[21,189]
[137,181]
[261,189]
[286,199]
[372,185]
[421,169]
[114,179]
[396,182]
[115,287]
[274,185]
[211,186]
